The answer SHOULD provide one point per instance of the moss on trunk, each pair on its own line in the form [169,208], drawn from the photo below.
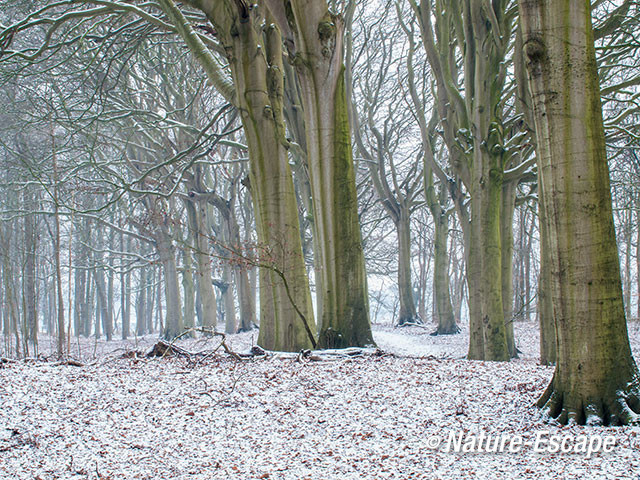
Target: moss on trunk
[486,257]
[345,306]
[255,60]
[596,379]
[506,239]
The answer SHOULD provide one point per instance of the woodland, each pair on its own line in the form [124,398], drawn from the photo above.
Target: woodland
[304,238]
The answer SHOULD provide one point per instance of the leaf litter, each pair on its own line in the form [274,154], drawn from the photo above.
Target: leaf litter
[124,416]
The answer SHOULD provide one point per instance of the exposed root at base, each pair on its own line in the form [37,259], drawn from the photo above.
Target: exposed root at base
[453,331]
[410,322]
[623,408]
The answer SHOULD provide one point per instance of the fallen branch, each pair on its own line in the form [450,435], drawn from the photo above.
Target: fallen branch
[163,348]
[412,324]
[331,354]
[69,361]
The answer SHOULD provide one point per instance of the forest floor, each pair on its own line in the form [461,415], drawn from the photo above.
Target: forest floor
[371,417]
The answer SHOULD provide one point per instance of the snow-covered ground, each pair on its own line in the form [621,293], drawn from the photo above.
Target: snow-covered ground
[372,418]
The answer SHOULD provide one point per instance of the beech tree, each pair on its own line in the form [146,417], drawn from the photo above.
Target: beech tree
[255,61]
[467,46]
[596,380]
[383,134]
[314,38]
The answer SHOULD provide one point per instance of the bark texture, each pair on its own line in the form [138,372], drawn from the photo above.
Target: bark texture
[472,119]
[314,38]
[254,52]
[596,379]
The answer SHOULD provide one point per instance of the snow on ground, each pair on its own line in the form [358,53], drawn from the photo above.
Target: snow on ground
[418,342]
[372,418]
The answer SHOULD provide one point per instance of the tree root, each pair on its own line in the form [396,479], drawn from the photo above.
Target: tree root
[410,322]
[622,408]
[455,330]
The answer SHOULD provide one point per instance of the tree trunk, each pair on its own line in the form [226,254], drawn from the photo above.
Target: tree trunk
[442,296]
[31,241]
[57,261]
[51,306]
[141,299]
[150,299]
[230,320]
[125,294]
[4,318]
[473,115]
[638,262]
[204,274]
[105,312]
[173,324]
[506,240]
[441,284]
[487,324]
[98,312]
[546,286]
[596,380]
[11,313]
[407,312]
[526,315]
[246,298]
[255,60]
[315,37]
[80,286]
[626,236]
[188,287]
[88,305]
[110,301]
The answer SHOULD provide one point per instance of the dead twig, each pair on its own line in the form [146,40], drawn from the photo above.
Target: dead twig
[163,348]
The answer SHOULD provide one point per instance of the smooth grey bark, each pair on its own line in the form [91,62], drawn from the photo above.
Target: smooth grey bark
[255,60]
[596,380]
[230,319]
[102,289]
[314,39]
[173,324]
[441,280]
[60,324]
[469,101]
[151,305]
[81,277]
[30,300]
[89,301]
[11,312]
[141,299]
[188,288]
[125,293]
[546,319]
[199,223]
[110,298]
